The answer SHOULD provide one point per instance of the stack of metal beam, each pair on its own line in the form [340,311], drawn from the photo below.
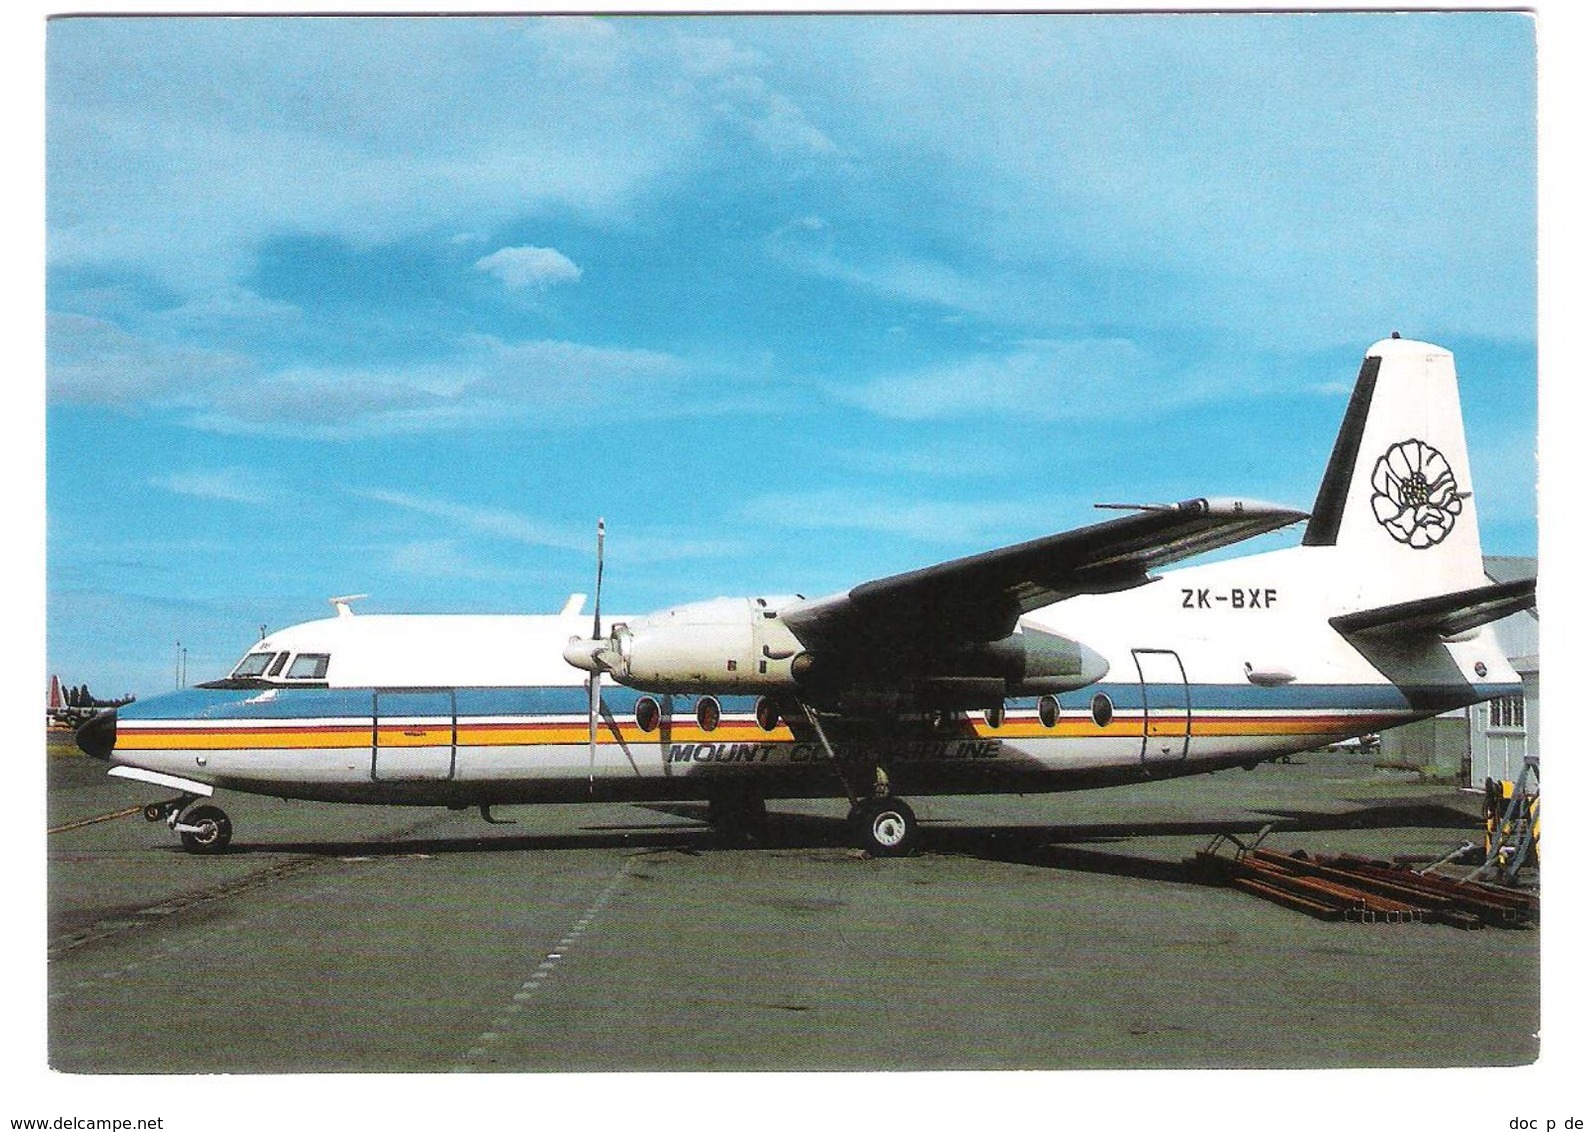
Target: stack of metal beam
[1346,887]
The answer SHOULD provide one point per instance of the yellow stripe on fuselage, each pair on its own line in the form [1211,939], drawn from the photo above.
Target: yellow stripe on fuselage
[237,738]
[569,732]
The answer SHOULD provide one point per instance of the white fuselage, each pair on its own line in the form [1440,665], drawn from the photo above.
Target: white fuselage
[1210,666]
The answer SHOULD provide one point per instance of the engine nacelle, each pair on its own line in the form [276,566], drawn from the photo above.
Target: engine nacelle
[724,646]
[740,645]
[1033,662]
[977,676]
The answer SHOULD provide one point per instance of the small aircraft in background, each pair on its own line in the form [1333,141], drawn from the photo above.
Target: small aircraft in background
[1069,662]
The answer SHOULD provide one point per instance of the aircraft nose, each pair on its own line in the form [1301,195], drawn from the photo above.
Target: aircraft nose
[97,737]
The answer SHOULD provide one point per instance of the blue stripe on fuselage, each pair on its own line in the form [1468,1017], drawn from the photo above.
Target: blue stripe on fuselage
[571,700]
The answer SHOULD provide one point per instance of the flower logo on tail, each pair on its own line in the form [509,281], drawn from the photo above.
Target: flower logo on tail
[1414,494]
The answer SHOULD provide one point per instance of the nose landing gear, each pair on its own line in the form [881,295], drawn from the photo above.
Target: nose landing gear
[203,829]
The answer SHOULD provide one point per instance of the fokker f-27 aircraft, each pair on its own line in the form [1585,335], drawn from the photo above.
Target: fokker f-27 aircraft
[1064,663]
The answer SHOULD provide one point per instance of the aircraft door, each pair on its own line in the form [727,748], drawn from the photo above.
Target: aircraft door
[1164,705]
[413,736]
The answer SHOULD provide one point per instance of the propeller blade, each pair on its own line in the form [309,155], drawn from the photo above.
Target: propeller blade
[595,680]
[594,705]
[597,590]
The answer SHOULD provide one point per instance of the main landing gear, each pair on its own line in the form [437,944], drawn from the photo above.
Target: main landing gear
[885,827]
[203,829]
[882,824]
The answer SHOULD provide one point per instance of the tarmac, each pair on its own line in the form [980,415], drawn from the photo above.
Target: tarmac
[1043,932]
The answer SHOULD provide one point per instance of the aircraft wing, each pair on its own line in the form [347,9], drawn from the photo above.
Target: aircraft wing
[980,598]
[1444,615]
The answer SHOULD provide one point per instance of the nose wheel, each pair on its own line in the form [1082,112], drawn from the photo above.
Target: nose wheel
[885,827]
[204,829]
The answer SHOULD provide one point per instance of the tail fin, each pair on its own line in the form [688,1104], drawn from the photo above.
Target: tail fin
[1397,495]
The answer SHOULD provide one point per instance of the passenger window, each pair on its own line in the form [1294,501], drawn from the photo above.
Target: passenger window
[253,665]
[309,666]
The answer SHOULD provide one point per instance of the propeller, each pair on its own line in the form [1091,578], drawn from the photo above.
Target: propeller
[594,655]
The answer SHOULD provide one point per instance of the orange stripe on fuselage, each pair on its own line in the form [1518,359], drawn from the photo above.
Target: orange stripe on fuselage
[568,733]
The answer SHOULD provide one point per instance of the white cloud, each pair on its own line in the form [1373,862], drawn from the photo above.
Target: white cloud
[628,548]
[439,558]
[490,521]
[962,523]
[714,55]
[334,402]
[810,245]
[523,267]
[956,459]
[230,485]
[1040,380]
[1150,163]
[230,304]
[94,361]
[484,383]
[561,373]
[778,122]
[371,131]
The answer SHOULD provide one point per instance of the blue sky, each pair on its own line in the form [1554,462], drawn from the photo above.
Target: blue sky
[400,306]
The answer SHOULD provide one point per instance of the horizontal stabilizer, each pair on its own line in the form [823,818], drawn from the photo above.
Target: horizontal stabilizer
[1445,615]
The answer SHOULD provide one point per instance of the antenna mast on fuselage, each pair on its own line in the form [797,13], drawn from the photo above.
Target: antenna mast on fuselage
[342,604]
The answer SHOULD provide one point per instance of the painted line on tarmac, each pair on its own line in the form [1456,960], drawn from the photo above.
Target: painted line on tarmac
[122,813]
[489,1037]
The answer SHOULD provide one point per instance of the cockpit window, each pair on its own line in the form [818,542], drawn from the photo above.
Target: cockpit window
[255,664]
[276,665]
[309,666]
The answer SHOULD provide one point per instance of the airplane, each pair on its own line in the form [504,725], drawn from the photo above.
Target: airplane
[1069,662]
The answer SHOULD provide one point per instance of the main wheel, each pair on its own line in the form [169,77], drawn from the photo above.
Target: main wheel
[213,830]
[886,827]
